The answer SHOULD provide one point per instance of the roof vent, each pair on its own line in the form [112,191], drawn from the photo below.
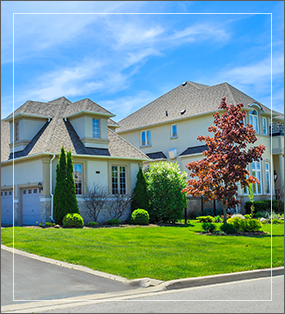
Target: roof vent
[183,111]
[183,84]
[172,153]
[166,113]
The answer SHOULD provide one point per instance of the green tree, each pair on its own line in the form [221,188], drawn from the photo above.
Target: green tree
[60,188]
[164,184]
[71,200]
[140,197]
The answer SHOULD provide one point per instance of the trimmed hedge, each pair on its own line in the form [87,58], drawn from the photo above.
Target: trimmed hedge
[264,206]
[112,222]
[205,219]
[140,217]
[92,224]
[72,220]
[245,224]
[209,227]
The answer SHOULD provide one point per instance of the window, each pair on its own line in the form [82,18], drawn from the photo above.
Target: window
[95,128]
[78,178]
[35,190]
[17,131]
[267,178]
[256,172]
[146,138]
[174,131]
[118,180]
[253,120]
[264,125]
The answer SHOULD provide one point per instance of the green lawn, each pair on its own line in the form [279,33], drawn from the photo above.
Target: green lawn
[163,253]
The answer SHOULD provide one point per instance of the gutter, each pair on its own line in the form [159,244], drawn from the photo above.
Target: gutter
[50,178]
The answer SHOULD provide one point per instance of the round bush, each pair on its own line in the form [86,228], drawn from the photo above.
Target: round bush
[236,222]
[92,224]
[209,227]
[250,225]
[72,221]
[228,228]
[140,217]
[112,222]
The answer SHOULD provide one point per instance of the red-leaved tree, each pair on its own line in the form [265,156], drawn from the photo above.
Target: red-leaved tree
[216,176]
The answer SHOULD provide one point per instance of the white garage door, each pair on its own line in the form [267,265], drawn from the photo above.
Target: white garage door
[7,208]
[31,207]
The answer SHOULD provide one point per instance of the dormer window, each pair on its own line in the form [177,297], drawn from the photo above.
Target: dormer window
[16,131]
[253,119]
[95,128]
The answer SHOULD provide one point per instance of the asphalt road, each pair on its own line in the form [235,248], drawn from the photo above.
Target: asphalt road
[247,296]
[36,280]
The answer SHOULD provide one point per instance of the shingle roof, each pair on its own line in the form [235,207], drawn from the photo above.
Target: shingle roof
[194,150]
[58,132]
[156,155]
[195,98]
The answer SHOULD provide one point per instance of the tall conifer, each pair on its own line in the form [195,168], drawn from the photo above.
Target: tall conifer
[140,197]
[60,188]
[72,205]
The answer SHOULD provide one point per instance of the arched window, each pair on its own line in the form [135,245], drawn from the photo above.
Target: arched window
[253,119]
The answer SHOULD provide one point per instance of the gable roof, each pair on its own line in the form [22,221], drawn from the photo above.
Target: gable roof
[58,132]
[193,98]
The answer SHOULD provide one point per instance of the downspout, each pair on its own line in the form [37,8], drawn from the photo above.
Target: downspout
[50,178]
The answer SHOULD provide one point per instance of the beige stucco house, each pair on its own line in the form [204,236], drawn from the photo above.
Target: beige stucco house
[168,127]
[31,141]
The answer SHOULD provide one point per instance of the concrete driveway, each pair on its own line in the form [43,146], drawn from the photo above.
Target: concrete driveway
[38,280]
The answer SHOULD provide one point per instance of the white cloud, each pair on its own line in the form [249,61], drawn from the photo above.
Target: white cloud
[124,106]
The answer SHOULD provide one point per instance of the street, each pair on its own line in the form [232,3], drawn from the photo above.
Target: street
[248,296]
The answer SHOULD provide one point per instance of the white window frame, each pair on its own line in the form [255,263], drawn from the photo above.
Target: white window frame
[120,186]
[95,131]
[253,120]
[267,178]
[257,187]
[147,138]
[172,133]
[76,181]
[264,126]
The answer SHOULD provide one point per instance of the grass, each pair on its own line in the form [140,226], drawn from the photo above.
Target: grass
[163,253]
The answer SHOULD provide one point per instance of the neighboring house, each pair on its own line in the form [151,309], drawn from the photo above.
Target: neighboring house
[168,127]
[39,131]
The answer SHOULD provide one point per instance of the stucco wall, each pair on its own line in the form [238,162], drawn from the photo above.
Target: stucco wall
[30,171]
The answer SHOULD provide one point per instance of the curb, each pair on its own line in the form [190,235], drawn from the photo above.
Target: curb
[221,278]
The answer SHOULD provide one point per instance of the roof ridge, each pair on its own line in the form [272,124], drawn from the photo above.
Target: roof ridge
[60,98]
[150,103]
[230,92]
[84,100]
[127,142]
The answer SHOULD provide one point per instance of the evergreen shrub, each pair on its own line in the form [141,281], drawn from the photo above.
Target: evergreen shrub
[140,198]
[112,222]
[140,217]
[72,220]
[209,227]
[205,219]
[228,228]
[164,185]
[92,224]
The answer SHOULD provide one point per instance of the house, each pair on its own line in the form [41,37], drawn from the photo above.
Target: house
[168,127]
[31,141]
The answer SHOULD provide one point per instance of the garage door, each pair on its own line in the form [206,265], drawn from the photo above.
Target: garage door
[31,207]
[7,208]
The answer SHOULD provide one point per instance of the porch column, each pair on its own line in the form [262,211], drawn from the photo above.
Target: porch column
[281,170]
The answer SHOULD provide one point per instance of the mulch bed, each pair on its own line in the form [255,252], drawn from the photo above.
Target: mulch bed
[253,233]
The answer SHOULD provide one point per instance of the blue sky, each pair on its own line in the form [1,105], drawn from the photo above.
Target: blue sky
[124,61]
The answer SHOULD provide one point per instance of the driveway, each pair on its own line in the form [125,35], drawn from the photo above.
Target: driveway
[37,280]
